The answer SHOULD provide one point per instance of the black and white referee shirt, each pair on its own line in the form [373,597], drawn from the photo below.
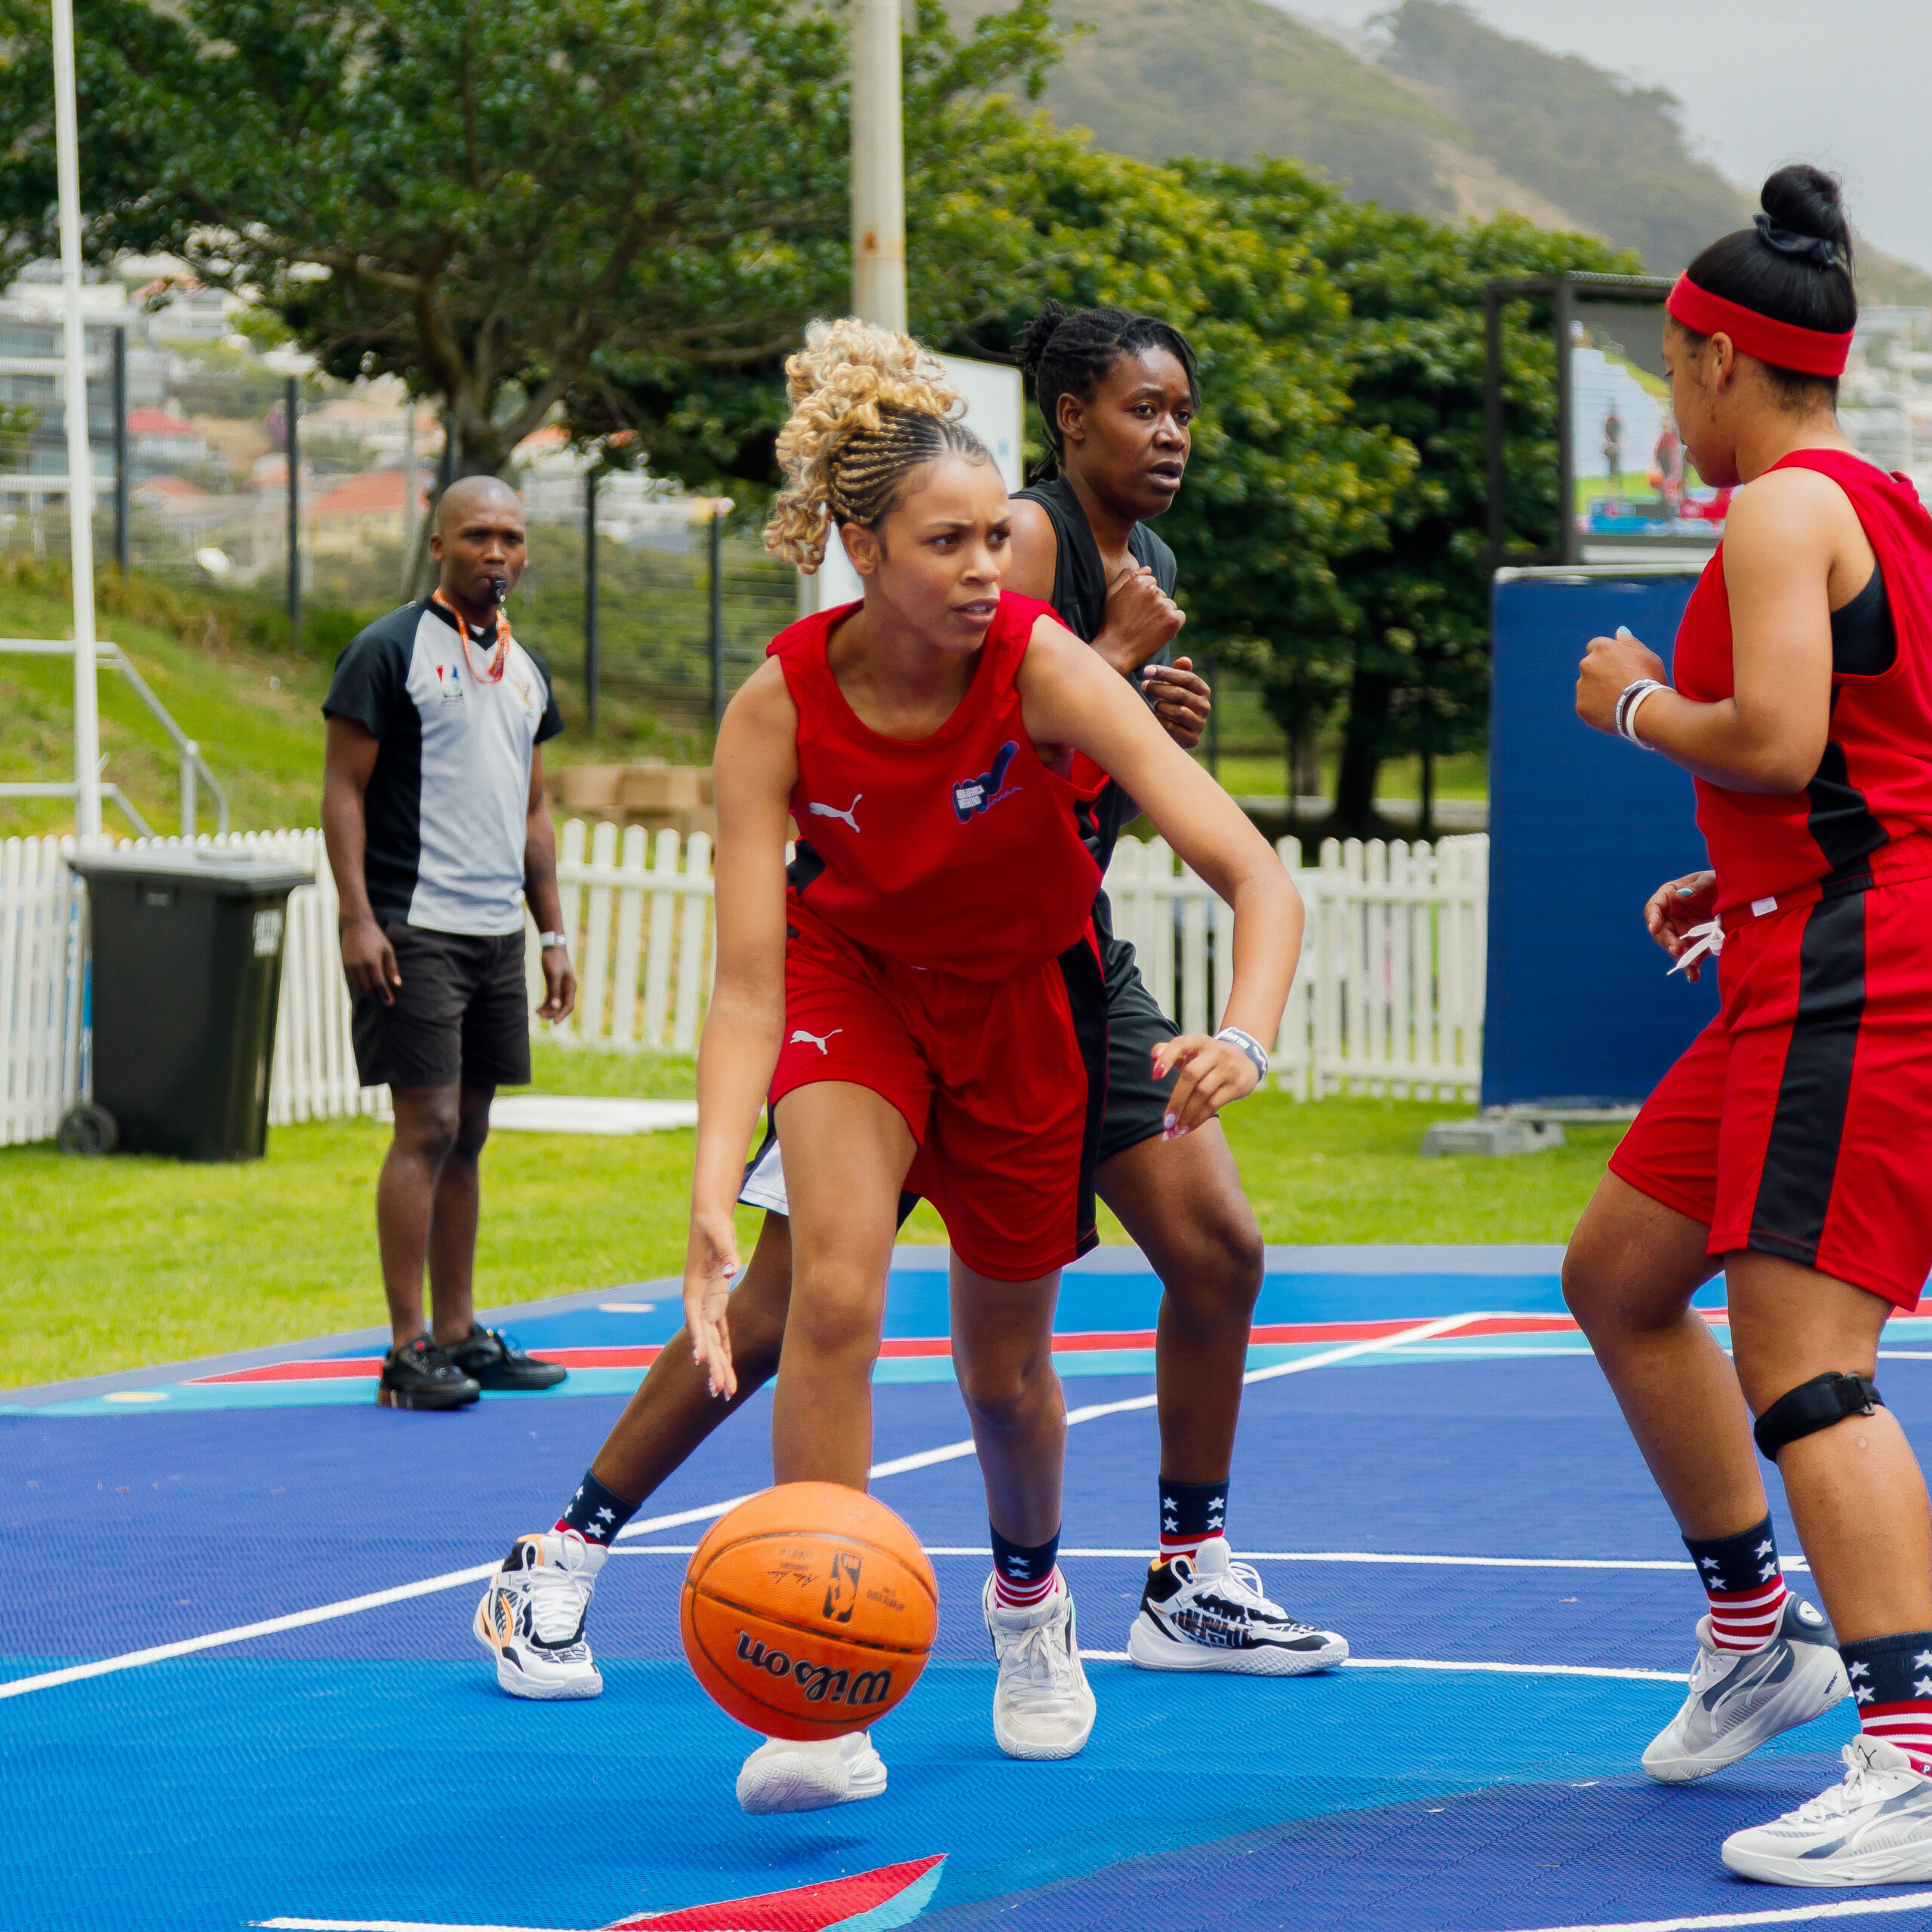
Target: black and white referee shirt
[447,803]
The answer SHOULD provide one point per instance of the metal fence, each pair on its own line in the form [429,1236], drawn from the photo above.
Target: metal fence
[1388,997]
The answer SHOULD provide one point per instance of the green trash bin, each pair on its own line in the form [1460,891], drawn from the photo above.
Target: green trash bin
[186,978]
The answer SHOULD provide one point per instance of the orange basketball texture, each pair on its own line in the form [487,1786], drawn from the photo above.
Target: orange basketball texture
[809,1611]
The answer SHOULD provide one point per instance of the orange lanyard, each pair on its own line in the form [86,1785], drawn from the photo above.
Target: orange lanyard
[491,671]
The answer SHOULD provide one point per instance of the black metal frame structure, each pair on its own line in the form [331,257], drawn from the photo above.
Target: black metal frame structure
[1560,292]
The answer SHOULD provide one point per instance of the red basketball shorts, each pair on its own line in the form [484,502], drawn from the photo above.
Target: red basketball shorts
[1799,1122]
[1003,1084]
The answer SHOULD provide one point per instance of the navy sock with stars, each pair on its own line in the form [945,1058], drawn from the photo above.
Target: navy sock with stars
[596,1513]
[1190,1512]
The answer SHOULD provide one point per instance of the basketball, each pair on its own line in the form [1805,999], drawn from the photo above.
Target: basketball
[809,1611]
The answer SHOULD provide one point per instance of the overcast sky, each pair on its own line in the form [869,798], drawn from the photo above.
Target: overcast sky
[1847,84]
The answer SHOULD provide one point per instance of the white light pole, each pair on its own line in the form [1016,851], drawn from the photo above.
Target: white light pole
[80,457]
[878,167]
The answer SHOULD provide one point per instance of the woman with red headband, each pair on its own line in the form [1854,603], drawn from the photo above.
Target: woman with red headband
[1792,1143]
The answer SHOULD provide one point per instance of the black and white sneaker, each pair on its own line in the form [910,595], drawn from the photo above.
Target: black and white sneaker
[1738,1699]
[531,1617]
[492,1361]
[419,1375]
[1209,1612]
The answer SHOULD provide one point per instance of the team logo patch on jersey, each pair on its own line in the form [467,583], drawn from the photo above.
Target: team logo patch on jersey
[981,794]
[449,684]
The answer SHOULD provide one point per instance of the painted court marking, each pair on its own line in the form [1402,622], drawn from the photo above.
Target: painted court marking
[1801,1914]
[452,1579]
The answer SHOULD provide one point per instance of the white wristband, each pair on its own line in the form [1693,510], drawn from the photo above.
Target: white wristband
[545,940]
[1629,703]
[1249,1045]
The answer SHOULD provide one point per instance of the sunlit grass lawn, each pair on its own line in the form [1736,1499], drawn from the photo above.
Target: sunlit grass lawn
[125,1261]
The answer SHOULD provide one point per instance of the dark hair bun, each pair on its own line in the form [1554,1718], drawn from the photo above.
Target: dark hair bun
[1040,331]
[1804,200]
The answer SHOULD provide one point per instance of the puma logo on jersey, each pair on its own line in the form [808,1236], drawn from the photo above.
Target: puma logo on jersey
[850,814]
[981,794]
[817,1040]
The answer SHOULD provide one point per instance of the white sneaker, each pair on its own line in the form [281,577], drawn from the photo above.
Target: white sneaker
[1873,1829]
[1041,1705]
[1207,1612]
[532,1614]
[783,1776]
[1740,1700]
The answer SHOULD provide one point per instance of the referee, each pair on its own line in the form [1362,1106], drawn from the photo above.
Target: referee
[434,814]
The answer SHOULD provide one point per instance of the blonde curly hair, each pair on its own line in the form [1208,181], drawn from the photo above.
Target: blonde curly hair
[868,406]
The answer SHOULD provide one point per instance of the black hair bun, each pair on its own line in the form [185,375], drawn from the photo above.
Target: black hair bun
[1801,200]
[1039,332]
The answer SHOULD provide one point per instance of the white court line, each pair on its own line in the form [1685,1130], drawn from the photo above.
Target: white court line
[1796,1914]
[1436,1663]
[452,1579]
[388,1925]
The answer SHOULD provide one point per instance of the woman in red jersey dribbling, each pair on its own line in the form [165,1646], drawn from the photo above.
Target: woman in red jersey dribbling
[920,998]
[1792,1143]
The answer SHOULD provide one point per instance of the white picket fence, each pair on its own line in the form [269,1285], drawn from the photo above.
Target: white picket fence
[1388,997]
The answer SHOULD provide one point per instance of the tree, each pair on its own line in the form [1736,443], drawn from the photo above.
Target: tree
[1405,655]
[494,202]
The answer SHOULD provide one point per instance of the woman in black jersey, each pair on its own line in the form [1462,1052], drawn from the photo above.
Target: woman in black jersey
[1118,393]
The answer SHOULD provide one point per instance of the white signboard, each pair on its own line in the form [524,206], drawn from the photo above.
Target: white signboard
[996,406]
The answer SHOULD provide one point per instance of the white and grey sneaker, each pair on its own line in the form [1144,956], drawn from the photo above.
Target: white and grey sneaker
[1207,1612]
[1738,1699]
[531,1616]
[783,1776]
[1874,1828]
[1042,1707]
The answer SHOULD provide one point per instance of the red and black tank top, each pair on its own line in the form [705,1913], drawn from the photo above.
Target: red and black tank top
[1873,787]
[958,852]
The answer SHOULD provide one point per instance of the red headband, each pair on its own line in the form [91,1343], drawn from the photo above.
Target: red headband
[1783,345]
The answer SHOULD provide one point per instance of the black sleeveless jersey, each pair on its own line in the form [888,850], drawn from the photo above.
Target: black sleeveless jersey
[1080,598]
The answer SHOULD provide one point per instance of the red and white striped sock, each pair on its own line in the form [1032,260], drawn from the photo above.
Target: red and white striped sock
[1024,1596]
[1190,1512]
[1747,1620]
[1023,1574]
[1891,1683]
[1742,1576]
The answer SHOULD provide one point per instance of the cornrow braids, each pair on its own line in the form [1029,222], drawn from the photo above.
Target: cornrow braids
[868,406]
[1069,352]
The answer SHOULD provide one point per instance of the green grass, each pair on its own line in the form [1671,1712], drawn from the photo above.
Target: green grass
[255,713]
[1464,775]
[130,1260]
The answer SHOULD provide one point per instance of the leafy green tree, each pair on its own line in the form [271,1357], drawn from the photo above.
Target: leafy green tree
[493,202]
[1403,653]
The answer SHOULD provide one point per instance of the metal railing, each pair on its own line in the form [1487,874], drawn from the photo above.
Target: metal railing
[195,770]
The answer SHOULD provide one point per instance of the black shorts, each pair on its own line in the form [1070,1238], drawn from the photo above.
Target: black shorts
[1136,1100]
[461,1014]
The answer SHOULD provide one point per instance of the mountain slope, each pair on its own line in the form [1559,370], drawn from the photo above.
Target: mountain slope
[1449,118]
[1227,80]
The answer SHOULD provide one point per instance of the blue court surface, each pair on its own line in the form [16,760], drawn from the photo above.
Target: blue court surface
[239,1688]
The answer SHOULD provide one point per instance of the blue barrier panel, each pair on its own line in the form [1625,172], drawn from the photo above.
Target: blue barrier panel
[1583,829]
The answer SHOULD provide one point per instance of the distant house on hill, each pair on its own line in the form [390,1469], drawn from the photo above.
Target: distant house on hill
[167,493]
[159,440]
[349,515]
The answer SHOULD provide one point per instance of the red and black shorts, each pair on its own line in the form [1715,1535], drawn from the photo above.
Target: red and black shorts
[1003,1084]
[1799,1122]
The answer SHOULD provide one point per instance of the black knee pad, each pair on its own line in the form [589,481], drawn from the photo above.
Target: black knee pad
[1814,1405]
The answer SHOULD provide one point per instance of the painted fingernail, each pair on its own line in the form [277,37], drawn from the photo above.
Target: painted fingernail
[1167,1121]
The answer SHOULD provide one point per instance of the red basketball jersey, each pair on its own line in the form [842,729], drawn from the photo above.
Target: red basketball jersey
[1874,784]
[959,853]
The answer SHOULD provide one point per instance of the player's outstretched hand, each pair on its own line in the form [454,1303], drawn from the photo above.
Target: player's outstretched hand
[1610,667]
[711,1263]
[1213,1072]
[1677,906]
[1181,700]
